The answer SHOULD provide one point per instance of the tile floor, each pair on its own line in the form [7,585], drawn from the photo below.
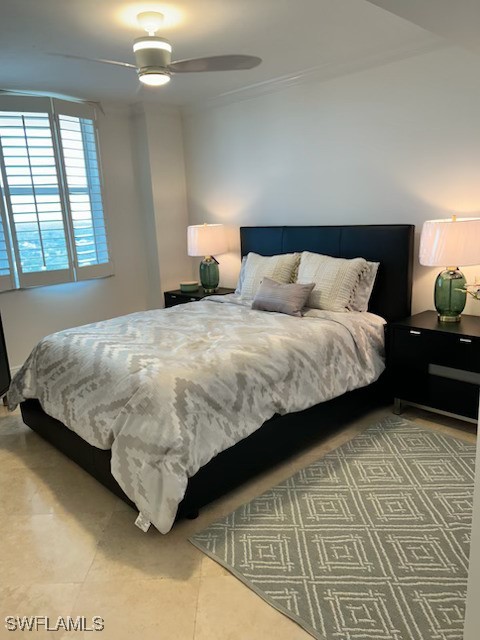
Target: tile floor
[69,547]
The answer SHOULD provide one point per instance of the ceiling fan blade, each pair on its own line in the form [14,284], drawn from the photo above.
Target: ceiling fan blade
[215,63]
[116,62]
[19,92]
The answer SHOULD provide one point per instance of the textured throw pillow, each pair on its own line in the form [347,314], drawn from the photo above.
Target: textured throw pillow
[364,288]
[280,268]
[283,298]
[335,280]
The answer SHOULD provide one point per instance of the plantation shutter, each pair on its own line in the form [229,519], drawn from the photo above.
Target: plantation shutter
[52,225]
[78,141]
[6,265]
[33,194]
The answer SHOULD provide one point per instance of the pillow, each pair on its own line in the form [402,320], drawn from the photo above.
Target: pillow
[335,280]
[283,298]
[241,276]
[364,288]
[280,268]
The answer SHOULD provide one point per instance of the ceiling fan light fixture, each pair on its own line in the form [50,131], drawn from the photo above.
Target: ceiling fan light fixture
[152,53]
[153,77]
[151,42]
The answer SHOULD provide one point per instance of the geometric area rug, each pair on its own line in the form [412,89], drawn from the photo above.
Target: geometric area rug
[371,542]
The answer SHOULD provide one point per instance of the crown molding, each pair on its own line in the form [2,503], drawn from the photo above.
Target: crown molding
[320,73]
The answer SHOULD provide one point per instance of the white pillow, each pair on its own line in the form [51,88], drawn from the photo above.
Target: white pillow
[241,276]
[335,280]
[280,268]
[364,288]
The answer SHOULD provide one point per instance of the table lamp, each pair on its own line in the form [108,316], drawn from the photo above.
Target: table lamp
[207,240]
[454,241]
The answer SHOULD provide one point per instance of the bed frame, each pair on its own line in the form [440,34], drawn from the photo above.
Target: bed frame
[281,436]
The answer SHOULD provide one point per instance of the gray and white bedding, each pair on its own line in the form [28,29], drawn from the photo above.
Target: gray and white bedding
[167,390]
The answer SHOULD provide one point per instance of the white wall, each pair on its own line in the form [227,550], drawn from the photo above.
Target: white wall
[160,172]
[167,167]
[396,143]
[30,314]
[143,178]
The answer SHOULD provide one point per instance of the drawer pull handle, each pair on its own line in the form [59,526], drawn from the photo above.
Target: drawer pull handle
[415,333]
[465,340]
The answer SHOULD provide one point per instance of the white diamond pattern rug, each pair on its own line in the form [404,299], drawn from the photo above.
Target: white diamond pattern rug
[371,542]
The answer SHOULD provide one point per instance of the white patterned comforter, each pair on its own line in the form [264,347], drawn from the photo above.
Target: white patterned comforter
[167,390]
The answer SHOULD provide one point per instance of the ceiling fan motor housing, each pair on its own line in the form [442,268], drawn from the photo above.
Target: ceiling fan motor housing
[152,52]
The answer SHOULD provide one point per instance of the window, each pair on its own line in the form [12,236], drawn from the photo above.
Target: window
[52,226]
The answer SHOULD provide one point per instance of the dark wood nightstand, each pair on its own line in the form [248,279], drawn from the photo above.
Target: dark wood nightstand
[172,298]
[435,365]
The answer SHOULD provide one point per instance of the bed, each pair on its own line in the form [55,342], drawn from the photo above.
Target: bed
[280,435]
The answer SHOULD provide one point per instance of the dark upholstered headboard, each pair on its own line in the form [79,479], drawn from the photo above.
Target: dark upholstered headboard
[390,244]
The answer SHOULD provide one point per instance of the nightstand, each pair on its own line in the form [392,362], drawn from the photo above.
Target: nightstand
[172,298]
[435,365]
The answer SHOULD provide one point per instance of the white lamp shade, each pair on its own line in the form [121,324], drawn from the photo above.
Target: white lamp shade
[450,242]
[206,240]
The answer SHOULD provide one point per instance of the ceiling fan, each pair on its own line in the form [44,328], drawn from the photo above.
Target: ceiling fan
[153,56]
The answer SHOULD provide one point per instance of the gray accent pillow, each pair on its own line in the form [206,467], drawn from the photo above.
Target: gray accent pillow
[282,298]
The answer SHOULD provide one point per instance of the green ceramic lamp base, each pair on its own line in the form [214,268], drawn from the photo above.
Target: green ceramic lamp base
[449,300]
[209,274]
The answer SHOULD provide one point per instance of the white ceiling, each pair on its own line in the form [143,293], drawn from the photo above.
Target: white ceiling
[456,20]
[292,36]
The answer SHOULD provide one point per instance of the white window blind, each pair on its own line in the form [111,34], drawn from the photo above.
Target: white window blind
[53,227]
[6,269]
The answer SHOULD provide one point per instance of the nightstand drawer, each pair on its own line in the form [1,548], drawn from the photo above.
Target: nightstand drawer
[418,348]
[172,299]
[411,347]
[458,352]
